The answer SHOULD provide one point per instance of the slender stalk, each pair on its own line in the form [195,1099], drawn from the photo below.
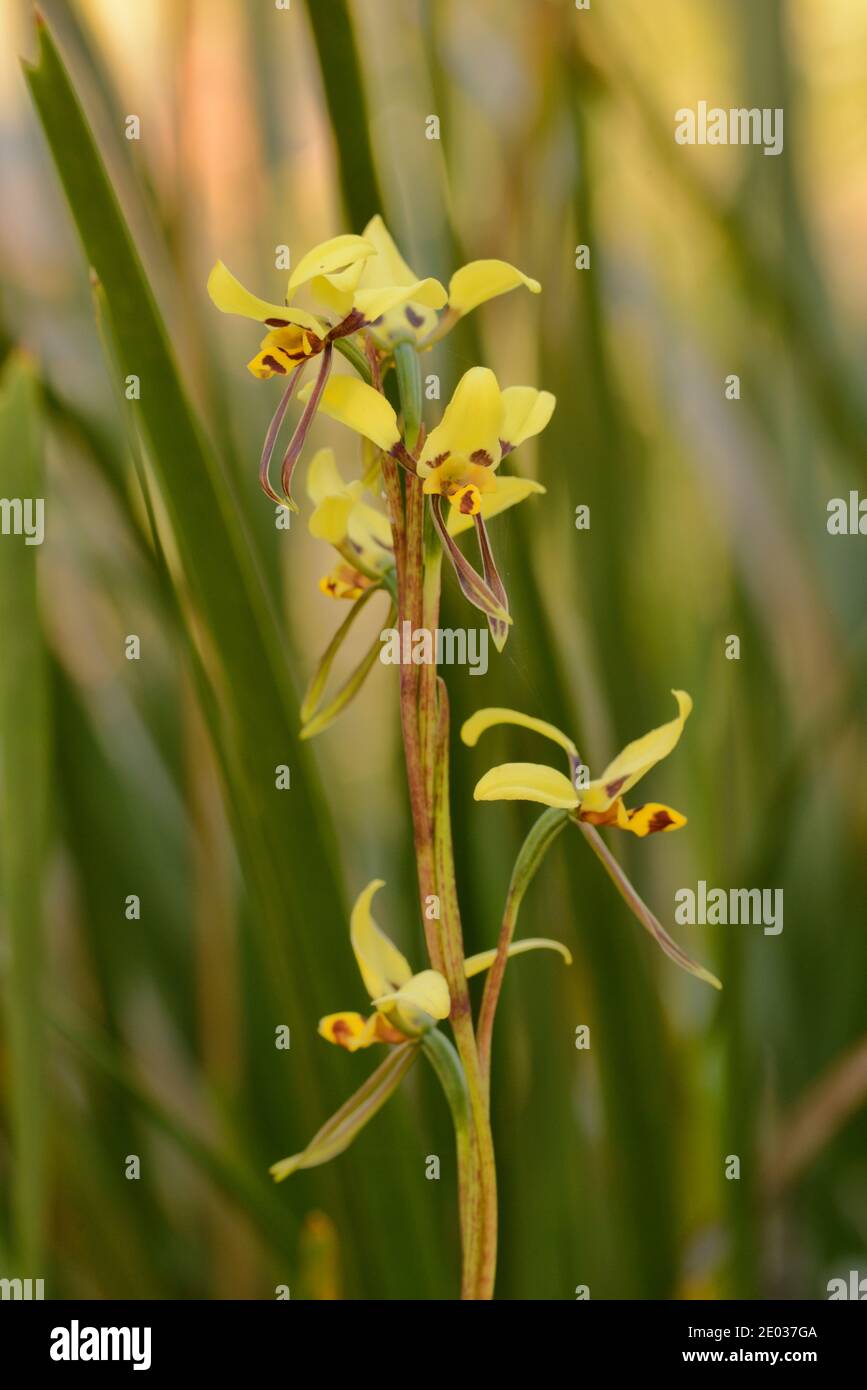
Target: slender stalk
[535,847]
[447,1065]
[485,1202]
[425,725]
[433,563]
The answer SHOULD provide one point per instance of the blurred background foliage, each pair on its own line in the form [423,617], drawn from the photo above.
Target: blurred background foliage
[262,126]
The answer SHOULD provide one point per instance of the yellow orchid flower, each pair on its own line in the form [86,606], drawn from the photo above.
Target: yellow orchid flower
[406,1005]
[459,459]
[597,802]
[358,532]
[480,425]
[333,272]
[296,334]
[362,535]
[414,317]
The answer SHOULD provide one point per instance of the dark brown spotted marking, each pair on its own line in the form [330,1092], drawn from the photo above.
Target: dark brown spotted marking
[412,317]
[481,456]
[270,361]
[277,323]
[660,820]
[612,788]
[467,503]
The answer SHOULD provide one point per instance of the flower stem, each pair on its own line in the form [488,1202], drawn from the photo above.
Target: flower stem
[485,1199]
[532,852]
[425,725]
[447,1065]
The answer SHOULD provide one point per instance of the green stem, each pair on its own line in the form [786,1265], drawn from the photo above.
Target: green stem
[485,1175]
[428,677]
[425,724]
[447,1065]
[409,388]
[532,852]
[355,357]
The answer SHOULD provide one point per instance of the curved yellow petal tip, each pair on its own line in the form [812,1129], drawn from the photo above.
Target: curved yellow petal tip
[479,281]
[474,965]
[636,759]
[483,719]
[383,967]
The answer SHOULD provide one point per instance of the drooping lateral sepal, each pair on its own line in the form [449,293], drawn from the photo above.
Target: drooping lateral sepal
[346,1124]
[316,717]
[639,907]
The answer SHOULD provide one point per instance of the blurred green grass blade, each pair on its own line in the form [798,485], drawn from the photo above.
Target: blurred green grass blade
[24,804]
[218,567]
[285,838]
[256,1198]
[344,94]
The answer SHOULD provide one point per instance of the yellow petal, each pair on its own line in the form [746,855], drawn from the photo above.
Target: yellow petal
[359,406]
[481,280]
[329,520]
[375,301]
[526,782]
[651,818]
[485,719]
[526,412]
[637,758]
[230,297]
[387,267]
[324,478]
[508,492]
[383,968]
[474,965]
[340,253]
[470,425]
[427,992]
[369,530]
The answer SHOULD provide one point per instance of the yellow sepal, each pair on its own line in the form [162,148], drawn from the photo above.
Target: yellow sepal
[479,281]
[383,968]
[484,719]
[527,782]
[636,759]
[470,426]
[359,406]
[230,297]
